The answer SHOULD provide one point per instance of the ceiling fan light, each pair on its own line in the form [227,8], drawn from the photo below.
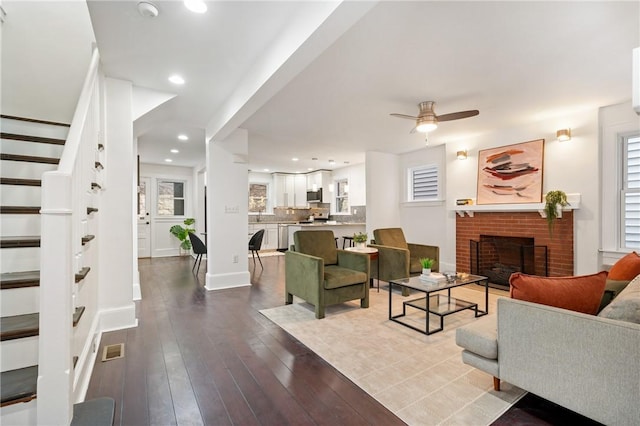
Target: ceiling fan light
[426,126]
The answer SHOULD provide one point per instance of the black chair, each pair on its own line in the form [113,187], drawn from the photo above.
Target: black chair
[254,245]
[198,249]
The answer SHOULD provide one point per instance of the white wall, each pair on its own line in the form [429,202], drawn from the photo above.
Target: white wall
[162,242]
[356,176]
[382,189]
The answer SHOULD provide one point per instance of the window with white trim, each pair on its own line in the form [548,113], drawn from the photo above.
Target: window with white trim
[258,197]
[630,192]
[342,196]
[424,183]
[170,198]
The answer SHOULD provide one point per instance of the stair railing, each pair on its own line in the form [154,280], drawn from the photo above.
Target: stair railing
[64,214]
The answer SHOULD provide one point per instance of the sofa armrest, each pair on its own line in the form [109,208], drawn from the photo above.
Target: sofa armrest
[355,261]
[304,276]
[393,263]
[419,251]
[582,362]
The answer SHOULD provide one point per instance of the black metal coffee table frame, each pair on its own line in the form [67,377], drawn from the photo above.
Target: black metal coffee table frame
[437,303]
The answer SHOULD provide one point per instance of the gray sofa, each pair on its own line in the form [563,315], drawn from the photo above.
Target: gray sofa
[586,363]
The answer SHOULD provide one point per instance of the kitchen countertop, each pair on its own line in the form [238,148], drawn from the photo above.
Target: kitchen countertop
[318,224]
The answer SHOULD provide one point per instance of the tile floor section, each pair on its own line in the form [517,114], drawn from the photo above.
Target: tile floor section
[419,378]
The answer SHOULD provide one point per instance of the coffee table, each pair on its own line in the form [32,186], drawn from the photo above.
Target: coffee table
[437,303]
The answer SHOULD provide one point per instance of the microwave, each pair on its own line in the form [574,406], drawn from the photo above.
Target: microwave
[314,196]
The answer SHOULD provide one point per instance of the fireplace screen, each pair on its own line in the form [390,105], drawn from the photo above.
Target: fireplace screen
[497,257]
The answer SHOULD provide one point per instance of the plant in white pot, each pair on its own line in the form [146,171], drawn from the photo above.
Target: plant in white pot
[182,234]
[426,263]
[360,239]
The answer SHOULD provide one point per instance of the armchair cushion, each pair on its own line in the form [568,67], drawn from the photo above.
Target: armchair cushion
[337,276]
[392,237]
[317,243]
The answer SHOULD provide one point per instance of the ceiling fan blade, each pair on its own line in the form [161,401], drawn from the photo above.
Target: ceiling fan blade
[458,115]
[410,117]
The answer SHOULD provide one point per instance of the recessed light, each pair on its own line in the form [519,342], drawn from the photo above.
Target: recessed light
[196,6]
[176,79]
[309,168]
[346,162]
[266,170]
[147,9]
[168,160]
[183,137]
[174,151]
[294,159]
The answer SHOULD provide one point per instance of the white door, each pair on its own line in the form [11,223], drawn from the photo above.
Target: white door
[144,218]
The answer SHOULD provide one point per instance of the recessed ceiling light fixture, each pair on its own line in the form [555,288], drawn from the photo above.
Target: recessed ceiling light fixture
[196,6]
[168,160]
[176,79]
[266,170]
[174,151]
[183,137]
[294,159]
[147,9]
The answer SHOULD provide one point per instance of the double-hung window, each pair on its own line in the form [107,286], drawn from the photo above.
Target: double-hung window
[342,196]
[170,198]
[424,183]
[630,192]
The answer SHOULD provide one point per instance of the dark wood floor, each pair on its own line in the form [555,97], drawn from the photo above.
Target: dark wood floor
[209,357]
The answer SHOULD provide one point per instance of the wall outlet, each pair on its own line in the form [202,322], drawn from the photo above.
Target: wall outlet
[235,258]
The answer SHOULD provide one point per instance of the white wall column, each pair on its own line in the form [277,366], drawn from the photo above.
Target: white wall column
[227,210]
[116,236]
[383,196]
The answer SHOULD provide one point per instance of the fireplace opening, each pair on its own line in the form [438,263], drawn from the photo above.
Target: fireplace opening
[497,257]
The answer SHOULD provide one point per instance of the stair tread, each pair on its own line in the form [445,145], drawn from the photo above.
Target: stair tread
[19,209]
[29,158]
[34,120]
[10,280]
[27,138]
[19,385]
[87,238]
[82,274]
[20,181]
[20,242]
[94,412]
[27,325]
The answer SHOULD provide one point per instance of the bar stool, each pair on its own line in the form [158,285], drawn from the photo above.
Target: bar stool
[344,241]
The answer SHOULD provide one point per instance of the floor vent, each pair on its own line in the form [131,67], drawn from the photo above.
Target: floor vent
[113,352]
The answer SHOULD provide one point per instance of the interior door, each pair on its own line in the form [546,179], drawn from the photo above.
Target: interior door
[144,219]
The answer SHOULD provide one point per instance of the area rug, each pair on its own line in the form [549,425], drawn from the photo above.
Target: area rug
[419,378]
[269,253]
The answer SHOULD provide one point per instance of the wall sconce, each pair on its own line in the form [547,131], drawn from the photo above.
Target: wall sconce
[462,155]
[563,135]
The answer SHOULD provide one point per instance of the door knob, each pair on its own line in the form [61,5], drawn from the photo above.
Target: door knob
[147,223]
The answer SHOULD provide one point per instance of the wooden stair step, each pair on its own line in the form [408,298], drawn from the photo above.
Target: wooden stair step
[19,209]
[87,238]
[19,242]
[95,185]
[98,165]
[29,158]
[91,210]
[19,385]
[82,274]
[94,412]
[10,280]
[28,325]
[27,138]
[21,182]
[34,120]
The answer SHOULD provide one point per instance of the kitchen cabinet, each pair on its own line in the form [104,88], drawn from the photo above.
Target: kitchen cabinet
[290,190]
[270,238]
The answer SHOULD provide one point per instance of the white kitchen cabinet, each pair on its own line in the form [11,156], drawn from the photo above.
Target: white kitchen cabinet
[290,190]
[270,237]
[299,190]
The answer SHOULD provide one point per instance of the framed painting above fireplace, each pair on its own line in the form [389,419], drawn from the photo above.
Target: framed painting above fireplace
[511,174]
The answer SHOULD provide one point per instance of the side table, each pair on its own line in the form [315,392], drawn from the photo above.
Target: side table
[373,255]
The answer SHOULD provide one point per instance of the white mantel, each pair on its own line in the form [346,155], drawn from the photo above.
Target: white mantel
[470,209]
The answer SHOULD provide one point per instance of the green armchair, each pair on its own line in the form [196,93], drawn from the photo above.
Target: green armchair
[319,273]
[399,259]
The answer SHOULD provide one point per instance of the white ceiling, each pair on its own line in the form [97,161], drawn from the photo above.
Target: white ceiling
[516,62]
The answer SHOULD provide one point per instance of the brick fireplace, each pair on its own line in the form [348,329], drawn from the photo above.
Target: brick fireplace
[521,224]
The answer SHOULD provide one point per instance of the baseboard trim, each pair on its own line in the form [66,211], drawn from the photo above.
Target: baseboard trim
[230,280]
[118,318]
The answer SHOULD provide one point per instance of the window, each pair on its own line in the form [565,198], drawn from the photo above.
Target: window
[170,198]
[630,197]
[342,196]
[258,199]
[424,183]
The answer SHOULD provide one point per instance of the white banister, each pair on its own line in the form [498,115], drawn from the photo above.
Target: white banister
[63,224]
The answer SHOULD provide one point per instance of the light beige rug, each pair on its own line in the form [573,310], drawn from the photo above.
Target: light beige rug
[420,378]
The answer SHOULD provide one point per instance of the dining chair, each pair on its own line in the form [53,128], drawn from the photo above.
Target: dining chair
[199,249]
[255,243]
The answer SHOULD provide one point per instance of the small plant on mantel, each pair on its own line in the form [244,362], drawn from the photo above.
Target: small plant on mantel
[553,199]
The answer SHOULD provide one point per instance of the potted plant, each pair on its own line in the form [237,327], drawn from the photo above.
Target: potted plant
[183,233]
[554,201]
[426,263]
[360,239]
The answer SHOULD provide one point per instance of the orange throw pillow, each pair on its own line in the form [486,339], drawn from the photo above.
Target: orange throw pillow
[626,268]
[580,293]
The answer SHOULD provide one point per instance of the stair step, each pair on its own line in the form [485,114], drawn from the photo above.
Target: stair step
[98,165]
[21,182]
[34,120]
[87,238]
[19,242]
[10,280]
[27,325]
[19,385]
[20,210]
[91,210]
[37,139]
[95,185]
[29,158]
[94,412]
[82,274]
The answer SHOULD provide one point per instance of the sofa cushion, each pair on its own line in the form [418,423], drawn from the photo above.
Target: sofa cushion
[336,276]
[480,337]
[626,268]
[317,243]
[611,289]
[626,306]
[578,293]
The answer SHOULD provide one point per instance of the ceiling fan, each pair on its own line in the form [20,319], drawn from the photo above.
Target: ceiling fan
[427,120]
